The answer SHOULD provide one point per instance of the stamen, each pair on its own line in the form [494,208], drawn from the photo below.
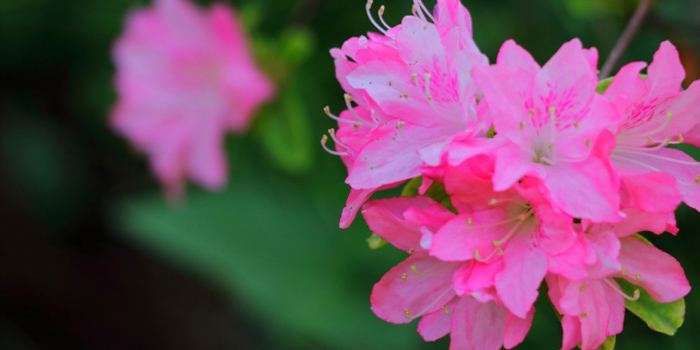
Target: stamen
[638,278]
[348,99]
[368,7]
[583,288]
[381,17]
[412,250]
[404,277]
[337,142]
[508,236]
[424,8]
[584,314]
[324,140]
[616,288]
[414,78]
[427,86]
[656,156]
[575,123]
[415,271]
[697,179]
[663,126]
[418,12]
[522,126]
[327,110]
[408,314]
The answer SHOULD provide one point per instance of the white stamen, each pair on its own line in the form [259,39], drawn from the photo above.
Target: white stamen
[337,142]
[368,7]
[327,110]
[616,288]
[427,86]
[324,140]
[381,17]
[430,306]
[348,99]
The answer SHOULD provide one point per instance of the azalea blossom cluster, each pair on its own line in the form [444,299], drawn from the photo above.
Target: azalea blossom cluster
[548,174]
[185,76]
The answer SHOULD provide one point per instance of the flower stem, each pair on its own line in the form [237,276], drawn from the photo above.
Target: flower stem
[625,38]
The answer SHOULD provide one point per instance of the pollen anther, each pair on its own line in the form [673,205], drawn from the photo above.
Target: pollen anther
[407,313]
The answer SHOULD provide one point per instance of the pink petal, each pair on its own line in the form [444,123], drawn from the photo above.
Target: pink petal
[436,325]
[525,266]
[566,81]
[586,189]
[353,204]
[666,73]
[657,272]
[517,328]
[478,326]
[392,157]
[424,291]
[651,192]
[512,54]
[385,217]
[457,241]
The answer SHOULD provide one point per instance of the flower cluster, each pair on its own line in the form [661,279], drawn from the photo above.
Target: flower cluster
[184,77]
[550,174]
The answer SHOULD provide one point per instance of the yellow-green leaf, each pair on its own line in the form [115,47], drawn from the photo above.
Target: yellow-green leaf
[665,318]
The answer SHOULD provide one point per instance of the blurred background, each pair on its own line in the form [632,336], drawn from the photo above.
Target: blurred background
[92,257]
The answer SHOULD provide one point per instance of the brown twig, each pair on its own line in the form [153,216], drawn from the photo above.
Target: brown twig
[625,38]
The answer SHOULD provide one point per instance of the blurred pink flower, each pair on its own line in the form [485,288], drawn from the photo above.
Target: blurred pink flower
[184,78]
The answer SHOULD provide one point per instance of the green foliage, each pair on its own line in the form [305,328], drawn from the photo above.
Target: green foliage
[288,269]
[609,344]
[284,131]
[603,85]
[665,318]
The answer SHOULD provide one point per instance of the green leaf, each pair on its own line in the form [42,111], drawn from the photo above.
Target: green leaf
[436,191]
[603,85]
[609,344]
[376,242]
[665,318]
[284,131]
[265,243]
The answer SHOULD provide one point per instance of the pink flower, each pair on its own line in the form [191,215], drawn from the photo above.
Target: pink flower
[412,96]
[553,122]
[421,286]
[593,308]
[184,78]
[657,113]
[513,232]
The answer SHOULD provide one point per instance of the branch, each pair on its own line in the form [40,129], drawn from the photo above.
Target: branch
[626,37]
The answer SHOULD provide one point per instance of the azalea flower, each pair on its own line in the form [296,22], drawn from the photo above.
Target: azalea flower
[594,308]
[408,93]
[657,113]
[421,286]
[184,78]
[551,121]
[513,232]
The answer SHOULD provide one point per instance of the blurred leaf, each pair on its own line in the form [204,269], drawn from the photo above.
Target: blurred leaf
[285,133]
[296,46]
[603,85]
[665,318]
[609,344]
[376,242]
[265,244]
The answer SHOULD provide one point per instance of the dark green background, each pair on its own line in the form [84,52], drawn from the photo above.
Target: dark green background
[92,258]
